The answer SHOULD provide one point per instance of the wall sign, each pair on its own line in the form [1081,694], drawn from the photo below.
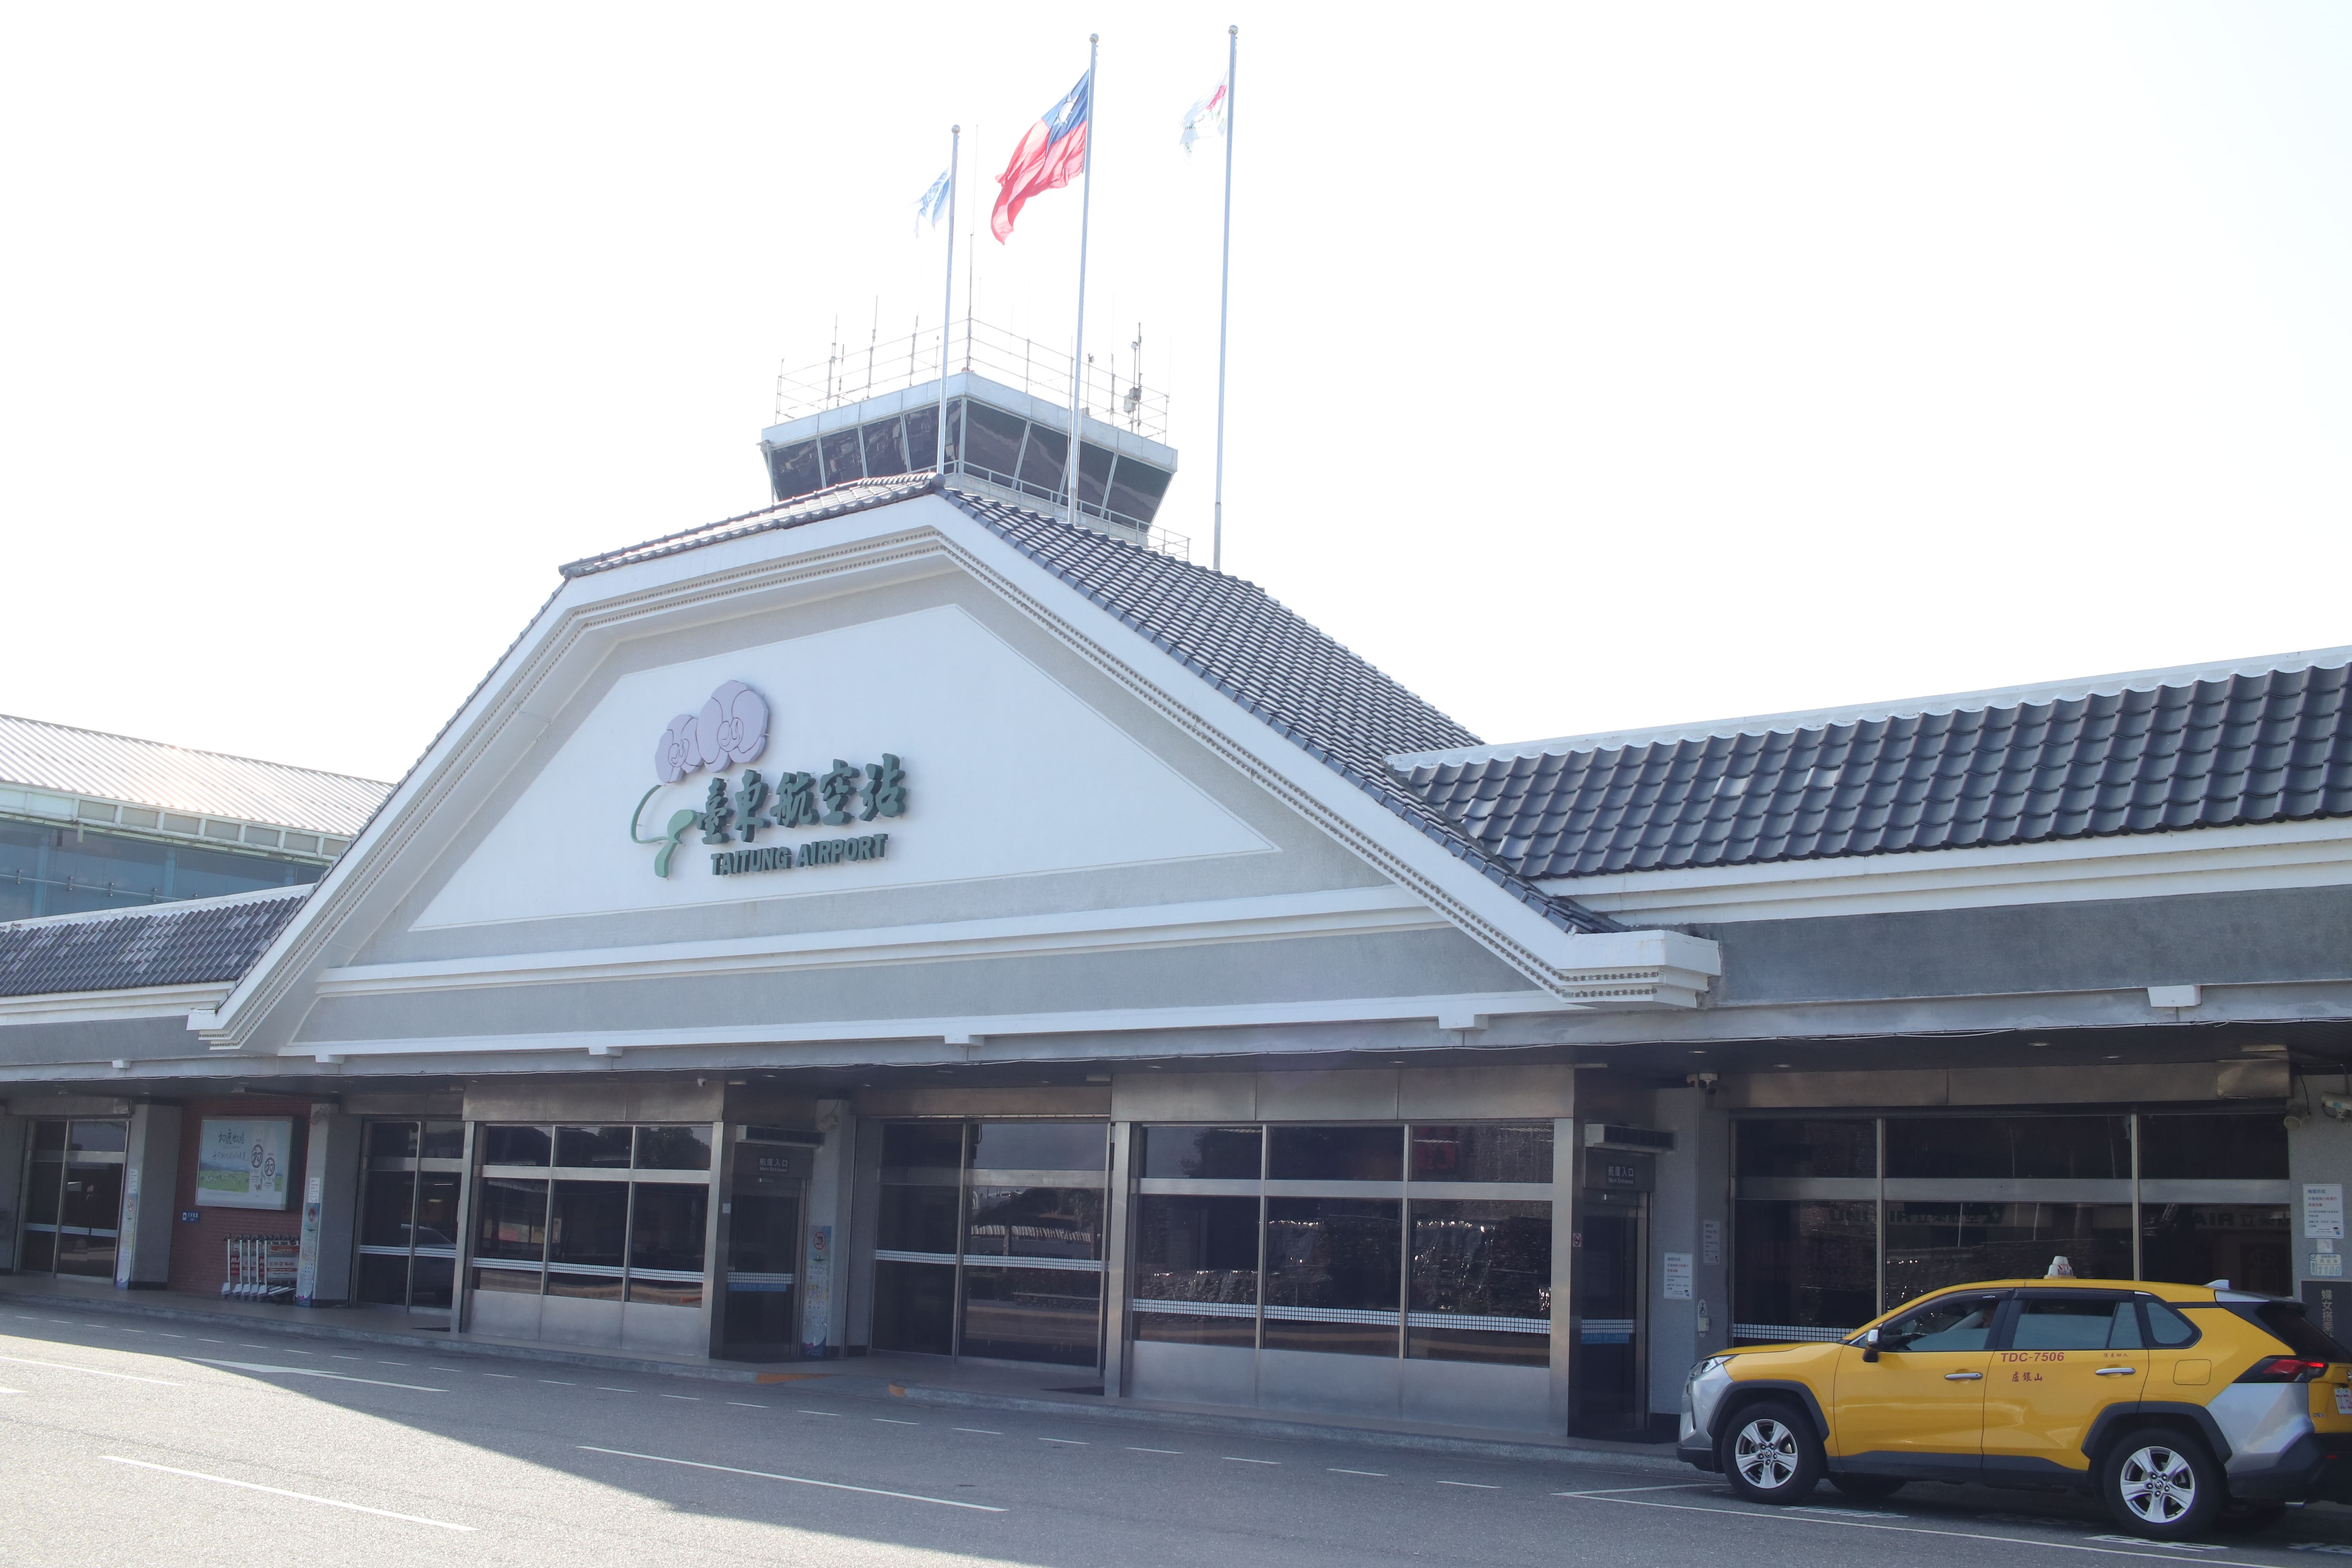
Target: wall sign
[1677,1277]
[241,1164]
[731,731]
[2323,1210]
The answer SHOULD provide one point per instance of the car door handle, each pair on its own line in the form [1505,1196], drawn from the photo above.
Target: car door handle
[2114,1371]
[1964,1377]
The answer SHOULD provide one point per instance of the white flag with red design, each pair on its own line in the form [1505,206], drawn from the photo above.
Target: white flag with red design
[1207,115]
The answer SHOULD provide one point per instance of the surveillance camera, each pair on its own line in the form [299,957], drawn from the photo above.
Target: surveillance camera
[1701,1081]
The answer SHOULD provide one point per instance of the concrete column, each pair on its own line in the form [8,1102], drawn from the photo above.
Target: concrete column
[1116,1251]
[330,1200]
[2319,1154]
[1694,1184]
[151,1182]
[1565,1167]
[824,1302]
[13,1130]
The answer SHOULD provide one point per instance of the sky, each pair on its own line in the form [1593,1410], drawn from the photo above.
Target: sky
[1593,365]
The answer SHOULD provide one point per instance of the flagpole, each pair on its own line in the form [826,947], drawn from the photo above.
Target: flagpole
[1225,300]
[947,306]
[1086,210]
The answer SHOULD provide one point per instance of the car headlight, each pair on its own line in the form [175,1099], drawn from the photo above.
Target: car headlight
[1710,1365]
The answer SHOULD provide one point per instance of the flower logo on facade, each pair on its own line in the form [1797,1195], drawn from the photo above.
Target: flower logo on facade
[732,728]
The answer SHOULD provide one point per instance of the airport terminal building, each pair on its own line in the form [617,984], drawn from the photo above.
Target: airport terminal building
[901,922]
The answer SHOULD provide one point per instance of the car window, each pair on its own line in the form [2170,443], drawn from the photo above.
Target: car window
[2166,1329]
[2058,1324]
[1946,1323]
[2294,1330]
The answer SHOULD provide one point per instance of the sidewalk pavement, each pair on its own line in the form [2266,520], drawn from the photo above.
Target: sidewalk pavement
[915,1380]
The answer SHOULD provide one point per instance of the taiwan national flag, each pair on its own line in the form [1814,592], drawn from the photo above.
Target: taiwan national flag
[1051,156]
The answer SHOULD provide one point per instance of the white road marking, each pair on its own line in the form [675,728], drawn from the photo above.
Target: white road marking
[1133,1450]
[1338,1471]
[981,1431]
[691,1398]
[559,1382]
[1480,1484]
[281,1491]
[608,1388]
[11,1391]
[797,1480]
[1784,1514]
[745,1404]
[248,1345]
[201,1341]
[2168,1545]
[161,1335]
[1605,1492]
[820,1411]
[135,1331]
[1066,1441]
[893,1421]
[1867,1513]
[313,1372]
[508,1375]
[341,1357]
[1236,1458]
[91,1371]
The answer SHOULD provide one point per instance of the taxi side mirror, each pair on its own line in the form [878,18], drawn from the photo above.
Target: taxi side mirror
[1869,1346]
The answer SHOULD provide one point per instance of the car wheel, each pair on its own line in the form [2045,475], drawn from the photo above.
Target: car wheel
[2161,1484]
[1867,1489]
[2249,1518]
[1770,1453]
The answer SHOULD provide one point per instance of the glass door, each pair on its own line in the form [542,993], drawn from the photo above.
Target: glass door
[414,1178]
[1609,1382]
[73,1198]
[763,1250]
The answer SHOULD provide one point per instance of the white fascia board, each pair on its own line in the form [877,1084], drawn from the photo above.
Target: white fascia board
[2252,857]
[109,1007]
[1341,913]
[988,1026]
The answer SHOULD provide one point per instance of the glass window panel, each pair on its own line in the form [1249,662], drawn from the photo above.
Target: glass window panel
[514,1145]
[429,1282]
[1932,1246]
[921,1146]
[1336,1153]
[508,1282]
[1032,1314]
[1335,1255]
[842,460]
[205,873]
[48,1137]
[992,440]
[98,1138]
[885,449]
[2006,1147]
[765,1237]
[2166,1329]
[1040,1145]
[686,1148]
[1197,1250]
[118,870]
[37,1252]
[914,1307]
[955,432]
[512,1220]
[585,1287]
[793,471]
[2075,1325]
[1136,489]
[1491,1151]
[443,1141]
[2189,1243]
[93,1197]
[47,1189]
[2212,1148]
[1804,1266]
[386,1207]
[1481,1260]
[384,1281]
[1042,461]
[671,1222]
[665,1292]
[588,1222]
[917,1219]
[923,437]
[1094,473]
[606,1148]
[1797,1146]
[1948,1323]
[1036,1222]
[1205,1154]
[392,1140]
[436,1208]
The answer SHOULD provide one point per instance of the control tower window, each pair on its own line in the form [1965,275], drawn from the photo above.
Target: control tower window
[1094,475]
[841,461]
[923,437]
[886,450]
[792,470]
[1137,489]
[992,442]
[1041,465]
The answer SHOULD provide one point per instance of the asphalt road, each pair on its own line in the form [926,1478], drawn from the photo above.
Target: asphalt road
[147,1442]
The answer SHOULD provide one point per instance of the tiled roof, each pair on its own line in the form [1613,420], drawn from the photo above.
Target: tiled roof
[193,943]
[1229,633]
[174,778]
[2272,745]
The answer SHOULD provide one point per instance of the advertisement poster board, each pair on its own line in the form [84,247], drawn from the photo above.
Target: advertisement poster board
[241,1164]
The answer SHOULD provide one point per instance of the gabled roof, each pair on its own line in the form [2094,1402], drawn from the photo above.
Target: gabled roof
[1231,634]
[174,778]
[197,942]
[2147,754]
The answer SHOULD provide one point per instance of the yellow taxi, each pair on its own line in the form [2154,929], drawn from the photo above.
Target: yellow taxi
[2183,1408]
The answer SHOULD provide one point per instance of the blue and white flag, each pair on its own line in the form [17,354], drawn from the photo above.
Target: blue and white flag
[934,203]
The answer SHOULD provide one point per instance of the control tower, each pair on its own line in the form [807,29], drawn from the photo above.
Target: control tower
[872,411]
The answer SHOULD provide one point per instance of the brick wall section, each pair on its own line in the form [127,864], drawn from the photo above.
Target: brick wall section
[200,1251]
